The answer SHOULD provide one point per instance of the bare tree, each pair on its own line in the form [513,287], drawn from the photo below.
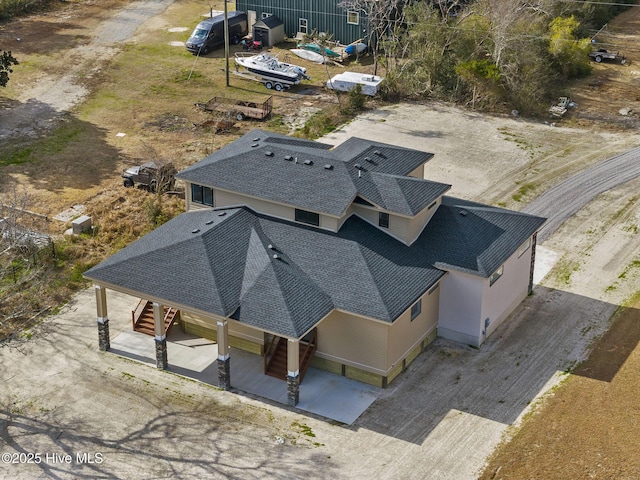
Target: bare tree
[382,17]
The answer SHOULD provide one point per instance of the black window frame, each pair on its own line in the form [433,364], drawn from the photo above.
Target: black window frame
[383,219]
[416,309]
[201,195]
[307,217]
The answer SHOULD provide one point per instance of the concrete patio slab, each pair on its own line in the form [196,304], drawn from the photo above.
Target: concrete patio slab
[321,393]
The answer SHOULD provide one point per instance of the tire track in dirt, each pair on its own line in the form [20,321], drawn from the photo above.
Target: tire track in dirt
[567,197]
[55,95]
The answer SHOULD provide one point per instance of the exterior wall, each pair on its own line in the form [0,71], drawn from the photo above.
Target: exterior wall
[354,341]
[324,16]
[240,336]
[460,312]
[418,172]
[406,229]
[222,198]
[508,291]
[405,334]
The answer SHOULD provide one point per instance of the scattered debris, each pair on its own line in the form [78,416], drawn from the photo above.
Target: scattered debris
[625,111]
[560,108]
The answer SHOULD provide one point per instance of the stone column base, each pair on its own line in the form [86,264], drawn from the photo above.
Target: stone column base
[161,354]
[104,343]
[224,373]
[293,390]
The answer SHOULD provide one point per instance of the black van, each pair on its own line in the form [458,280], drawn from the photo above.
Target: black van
[209,33]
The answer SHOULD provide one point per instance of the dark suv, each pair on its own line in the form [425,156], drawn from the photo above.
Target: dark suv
[150,175]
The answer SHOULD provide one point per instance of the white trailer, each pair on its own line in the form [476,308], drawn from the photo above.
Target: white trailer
[344,82]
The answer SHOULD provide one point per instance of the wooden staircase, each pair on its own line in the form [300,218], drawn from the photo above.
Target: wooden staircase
[275,358]
[142,318]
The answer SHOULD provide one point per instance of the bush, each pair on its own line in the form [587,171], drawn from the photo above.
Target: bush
[14,8]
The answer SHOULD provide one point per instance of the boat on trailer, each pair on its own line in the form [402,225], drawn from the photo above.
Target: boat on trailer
[271,71]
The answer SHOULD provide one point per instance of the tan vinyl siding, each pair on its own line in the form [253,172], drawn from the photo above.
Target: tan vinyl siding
[226,199]
[353,341]
[418,172]
[405,336]
[240,336]
[406,229]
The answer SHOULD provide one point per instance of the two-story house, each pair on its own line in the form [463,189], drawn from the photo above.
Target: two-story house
[344,258]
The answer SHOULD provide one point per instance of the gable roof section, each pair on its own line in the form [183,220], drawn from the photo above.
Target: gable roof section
[398,194]
[292,171]
[475,238]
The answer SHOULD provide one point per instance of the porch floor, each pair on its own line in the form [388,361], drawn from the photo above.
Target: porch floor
[322,393]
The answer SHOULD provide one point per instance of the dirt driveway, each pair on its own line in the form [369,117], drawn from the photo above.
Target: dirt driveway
[440,419]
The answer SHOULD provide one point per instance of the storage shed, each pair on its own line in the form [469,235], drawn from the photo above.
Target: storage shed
[269,31]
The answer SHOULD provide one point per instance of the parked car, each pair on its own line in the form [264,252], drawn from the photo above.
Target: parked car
[150,175]
[209,33]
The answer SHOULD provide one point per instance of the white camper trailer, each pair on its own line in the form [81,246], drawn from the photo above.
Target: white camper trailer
[346,81]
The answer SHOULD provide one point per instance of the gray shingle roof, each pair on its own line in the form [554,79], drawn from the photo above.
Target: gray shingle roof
[291,171]
[476,238]
[227,267]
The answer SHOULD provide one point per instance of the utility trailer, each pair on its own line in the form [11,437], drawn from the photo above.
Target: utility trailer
[240,109]
[602,54]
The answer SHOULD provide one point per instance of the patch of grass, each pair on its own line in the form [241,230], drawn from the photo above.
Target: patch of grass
[523,191]
[304,429]
[564,269]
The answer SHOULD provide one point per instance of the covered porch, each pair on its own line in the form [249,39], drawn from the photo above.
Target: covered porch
[322,393]
[209,361]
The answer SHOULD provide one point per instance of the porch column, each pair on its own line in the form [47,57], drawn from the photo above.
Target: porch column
[224,367]
[161,339]
[293,372]
[104,343]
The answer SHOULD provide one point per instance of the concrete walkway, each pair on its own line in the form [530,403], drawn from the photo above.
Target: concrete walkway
[322,393]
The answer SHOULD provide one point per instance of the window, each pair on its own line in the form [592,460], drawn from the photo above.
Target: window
[416,309]
[525,246]
[202,195]
[496,275]
[353,18]
[302,25]
[383,219]
[310,218]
